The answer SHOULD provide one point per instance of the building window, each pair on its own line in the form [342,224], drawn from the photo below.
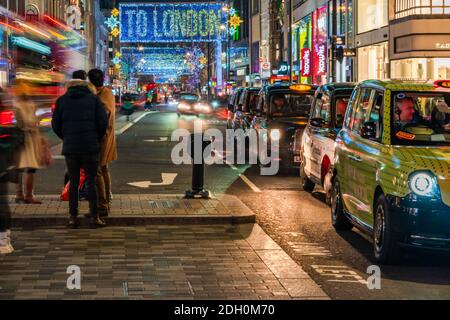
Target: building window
[373,61]
[31,13]
[372,14]
[404,8]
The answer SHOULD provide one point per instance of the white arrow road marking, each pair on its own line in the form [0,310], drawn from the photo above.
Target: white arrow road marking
[167,180]
[161,139]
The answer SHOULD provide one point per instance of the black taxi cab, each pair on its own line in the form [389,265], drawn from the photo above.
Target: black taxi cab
[282,113]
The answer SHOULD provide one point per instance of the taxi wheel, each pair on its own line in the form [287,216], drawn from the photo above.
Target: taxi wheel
[385,248]
[307,184]
[338,218]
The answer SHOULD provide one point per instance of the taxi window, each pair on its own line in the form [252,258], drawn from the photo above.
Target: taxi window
[322,109]
[352,105]
[421,118]
[341,103]
[361,112]
[290,104]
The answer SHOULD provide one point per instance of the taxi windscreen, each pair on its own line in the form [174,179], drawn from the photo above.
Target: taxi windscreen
[290,104]
[189,97]
[421,118]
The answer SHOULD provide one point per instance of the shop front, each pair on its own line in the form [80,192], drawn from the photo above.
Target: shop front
[373,62]
[421,69]
[420,57]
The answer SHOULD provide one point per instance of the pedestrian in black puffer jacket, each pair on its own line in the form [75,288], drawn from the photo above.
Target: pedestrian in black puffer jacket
[80,120]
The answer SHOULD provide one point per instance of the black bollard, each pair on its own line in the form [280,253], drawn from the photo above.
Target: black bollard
[198,172]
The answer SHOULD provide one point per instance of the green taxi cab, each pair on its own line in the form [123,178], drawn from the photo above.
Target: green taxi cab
[391,176]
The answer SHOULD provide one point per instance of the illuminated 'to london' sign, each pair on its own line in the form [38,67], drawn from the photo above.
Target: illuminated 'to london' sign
[184,22]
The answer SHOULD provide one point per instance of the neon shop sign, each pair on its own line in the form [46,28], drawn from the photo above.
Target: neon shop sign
[183,22]
[306,62]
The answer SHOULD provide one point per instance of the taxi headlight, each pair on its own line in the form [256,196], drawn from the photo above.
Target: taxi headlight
[275,135]
[423,184]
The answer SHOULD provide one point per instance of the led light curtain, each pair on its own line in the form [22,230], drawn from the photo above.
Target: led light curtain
[156,60]
[182,22]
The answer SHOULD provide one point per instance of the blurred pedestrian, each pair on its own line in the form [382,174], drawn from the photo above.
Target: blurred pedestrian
[148,101]
[34,154]
[108,149]
[80,121]
[11,140]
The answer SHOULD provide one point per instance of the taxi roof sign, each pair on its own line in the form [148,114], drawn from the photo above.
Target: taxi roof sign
[300,87]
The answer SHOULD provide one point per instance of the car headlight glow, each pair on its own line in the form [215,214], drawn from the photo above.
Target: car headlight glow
[275,135]
[202,107]
[423,184]
[184,106]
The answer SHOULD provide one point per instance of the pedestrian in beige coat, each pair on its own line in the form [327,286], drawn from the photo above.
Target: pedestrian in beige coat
[108,151]
[30,157]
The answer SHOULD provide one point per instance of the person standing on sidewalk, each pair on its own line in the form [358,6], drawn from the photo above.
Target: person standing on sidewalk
[31,157]
[108,148]
[80,121]
[11,141]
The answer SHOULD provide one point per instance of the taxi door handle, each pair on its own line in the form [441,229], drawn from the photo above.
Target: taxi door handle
[355,158]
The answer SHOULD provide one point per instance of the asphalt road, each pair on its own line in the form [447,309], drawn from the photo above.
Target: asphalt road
[298,221]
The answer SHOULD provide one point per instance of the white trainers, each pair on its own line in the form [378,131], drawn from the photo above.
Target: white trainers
[5,244]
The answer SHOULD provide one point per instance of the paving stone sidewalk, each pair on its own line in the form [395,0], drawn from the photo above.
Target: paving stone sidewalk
[139,210]
[153,262]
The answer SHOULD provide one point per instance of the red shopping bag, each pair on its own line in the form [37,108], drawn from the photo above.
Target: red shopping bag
[65,192]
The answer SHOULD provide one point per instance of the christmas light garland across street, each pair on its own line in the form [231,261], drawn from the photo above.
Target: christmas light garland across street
[157,60]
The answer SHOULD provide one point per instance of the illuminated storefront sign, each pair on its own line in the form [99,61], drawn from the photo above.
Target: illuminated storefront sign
[319,23]
[305,38]
[306,62]
[184,22]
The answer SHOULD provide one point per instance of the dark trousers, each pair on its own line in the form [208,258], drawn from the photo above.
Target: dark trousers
[5,212]
[89,163]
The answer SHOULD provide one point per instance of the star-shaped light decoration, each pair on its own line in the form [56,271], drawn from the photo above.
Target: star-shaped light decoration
[116,61]
[112,22]
[115,32]
[235,21]
[118,54]
[203,60]
[115,12]
[232,11]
